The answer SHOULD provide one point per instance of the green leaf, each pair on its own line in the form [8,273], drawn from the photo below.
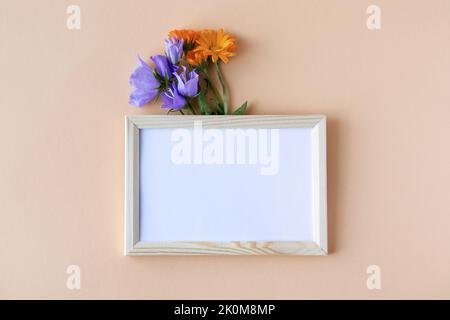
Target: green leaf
[203,103]
[220,108]
[241,110]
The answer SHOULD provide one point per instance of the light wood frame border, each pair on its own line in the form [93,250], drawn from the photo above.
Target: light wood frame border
[133,246]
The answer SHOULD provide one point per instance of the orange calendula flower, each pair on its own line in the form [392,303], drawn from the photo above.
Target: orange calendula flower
[188,36]
[216,44]
[195,58]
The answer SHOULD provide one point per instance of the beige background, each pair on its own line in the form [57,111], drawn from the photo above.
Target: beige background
[386,93]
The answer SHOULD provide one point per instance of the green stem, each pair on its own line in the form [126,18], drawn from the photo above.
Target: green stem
[181,111]
[213,89]
[224,87]
[191,108]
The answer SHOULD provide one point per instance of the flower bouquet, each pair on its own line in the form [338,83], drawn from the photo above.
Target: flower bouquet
[182,76]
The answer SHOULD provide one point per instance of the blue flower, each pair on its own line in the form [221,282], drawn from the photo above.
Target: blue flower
[172,99]
[174,49]
[145,86]
[187,83]
[163,66]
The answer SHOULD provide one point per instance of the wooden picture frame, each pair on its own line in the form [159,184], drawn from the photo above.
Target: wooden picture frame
[316,246]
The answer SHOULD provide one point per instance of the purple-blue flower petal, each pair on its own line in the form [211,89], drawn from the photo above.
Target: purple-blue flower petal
[193,74]
[187,84]
[139,98]
[191,87]
[173,99]
[144,84]
[178,102]
[174,49]
[167,100]
[180,84]
[162,64]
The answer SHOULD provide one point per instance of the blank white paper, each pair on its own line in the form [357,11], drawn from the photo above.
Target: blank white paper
[200,202]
